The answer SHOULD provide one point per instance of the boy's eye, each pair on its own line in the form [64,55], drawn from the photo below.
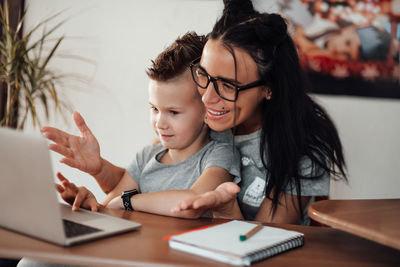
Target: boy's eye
[174,112]
[154,109]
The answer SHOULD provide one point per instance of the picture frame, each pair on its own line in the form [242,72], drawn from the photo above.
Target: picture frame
[347,47]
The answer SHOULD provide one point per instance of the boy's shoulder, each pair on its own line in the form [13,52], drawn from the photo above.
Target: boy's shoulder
[150,150]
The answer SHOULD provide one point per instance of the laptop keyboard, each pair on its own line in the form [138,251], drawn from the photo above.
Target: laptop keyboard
[73,229]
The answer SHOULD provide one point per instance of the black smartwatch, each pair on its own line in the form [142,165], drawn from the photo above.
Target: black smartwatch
[126,198]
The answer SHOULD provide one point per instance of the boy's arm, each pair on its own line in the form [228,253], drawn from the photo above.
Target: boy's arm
[126,183]
[109,176]
[81,197]
[163,202]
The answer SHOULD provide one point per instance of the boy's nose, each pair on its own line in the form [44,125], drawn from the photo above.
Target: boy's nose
[161,122]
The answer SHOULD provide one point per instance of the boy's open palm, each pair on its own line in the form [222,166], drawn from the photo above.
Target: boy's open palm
[81,152]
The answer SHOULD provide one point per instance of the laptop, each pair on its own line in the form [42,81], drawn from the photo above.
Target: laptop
[28,198]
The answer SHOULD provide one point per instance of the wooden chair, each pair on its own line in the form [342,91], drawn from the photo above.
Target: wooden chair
[315,223]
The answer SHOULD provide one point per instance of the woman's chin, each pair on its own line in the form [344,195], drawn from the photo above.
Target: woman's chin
[218,126]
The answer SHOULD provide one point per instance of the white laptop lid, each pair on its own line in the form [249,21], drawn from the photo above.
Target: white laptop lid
[25,199]
[28,200]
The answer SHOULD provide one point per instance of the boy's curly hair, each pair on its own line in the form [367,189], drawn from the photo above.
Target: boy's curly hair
[176,58]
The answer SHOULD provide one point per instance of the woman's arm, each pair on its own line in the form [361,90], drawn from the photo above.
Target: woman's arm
[222,201]
[162,202]
[287,210]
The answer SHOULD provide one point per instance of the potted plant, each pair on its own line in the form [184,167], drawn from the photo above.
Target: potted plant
[26,81]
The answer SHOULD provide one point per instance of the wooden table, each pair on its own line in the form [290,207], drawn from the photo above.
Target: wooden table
[374,219]
[323,247]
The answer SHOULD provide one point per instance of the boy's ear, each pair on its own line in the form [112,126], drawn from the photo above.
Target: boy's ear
[267,93]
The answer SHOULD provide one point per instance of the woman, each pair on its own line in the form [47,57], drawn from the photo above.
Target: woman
[251,82]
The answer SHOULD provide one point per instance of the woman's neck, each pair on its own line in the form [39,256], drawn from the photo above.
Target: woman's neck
[250,125]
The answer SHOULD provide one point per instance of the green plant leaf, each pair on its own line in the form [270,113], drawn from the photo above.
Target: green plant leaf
[25,70]
[50,55]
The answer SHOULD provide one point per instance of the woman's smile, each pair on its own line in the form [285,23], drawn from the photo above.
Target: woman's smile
[216,114]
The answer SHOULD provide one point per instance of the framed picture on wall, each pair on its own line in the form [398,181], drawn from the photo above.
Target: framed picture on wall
[348,47]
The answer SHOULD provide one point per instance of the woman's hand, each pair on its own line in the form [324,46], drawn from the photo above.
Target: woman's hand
[81,152]
[222,201]
[76,196]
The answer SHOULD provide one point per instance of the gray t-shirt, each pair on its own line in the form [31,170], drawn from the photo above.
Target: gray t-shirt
[153,176]
[253,182]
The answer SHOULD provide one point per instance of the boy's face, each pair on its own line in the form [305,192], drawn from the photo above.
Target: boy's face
[177,113]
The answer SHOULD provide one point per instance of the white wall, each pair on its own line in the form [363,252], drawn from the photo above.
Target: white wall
[121,37]
[370,132]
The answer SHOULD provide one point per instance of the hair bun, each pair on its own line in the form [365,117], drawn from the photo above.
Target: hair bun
[238,10]
[274,28]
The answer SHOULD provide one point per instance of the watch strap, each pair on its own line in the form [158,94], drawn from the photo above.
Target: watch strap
[126,199]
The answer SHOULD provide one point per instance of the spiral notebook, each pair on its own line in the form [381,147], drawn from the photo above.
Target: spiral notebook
[221,242]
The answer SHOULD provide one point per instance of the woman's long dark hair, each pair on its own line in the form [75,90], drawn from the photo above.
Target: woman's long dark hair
[294,127]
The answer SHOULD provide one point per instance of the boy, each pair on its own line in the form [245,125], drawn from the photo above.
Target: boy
[185,162]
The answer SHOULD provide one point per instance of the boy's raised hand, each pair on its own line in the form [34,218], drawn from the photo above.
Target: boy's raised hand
[81,152]
[76,196]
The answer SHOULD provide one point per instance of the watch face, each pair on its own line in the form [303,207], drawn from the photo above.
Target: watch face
[126,198]
[131,192]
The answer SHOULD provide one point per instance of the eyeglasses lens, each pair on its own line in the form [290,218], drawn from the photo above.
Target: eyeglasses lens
[224,89]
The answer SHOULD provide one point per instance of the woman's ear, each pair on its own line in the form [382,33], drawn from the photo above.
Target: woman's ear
[267,93]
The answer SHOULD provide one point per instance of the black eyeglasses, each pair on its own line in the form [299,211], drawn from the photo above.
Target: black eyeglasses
[224,88]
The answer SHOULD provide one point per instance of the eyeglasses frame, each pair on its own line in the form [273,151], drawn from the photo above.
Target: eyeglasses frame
[214,81]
